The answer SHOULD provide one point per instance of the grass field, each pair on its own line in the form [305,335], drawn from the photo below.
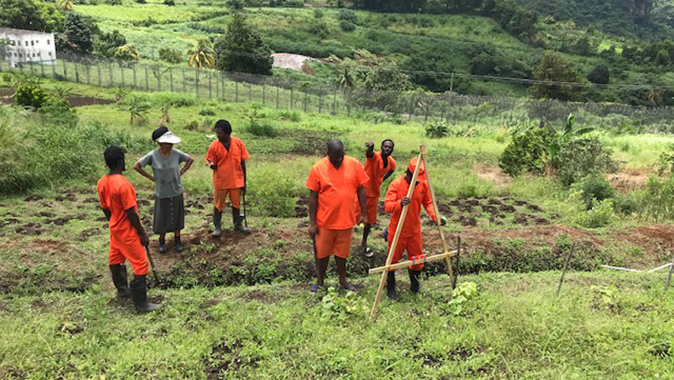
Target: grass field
[239,307]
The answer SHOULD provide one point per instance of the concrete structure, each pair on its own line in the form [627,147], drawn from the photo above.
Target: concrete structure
[27,46]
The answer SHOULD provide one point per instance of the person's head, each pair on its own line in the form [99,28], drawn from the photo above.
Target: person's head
[114,158]
[223,129]
[387,147]
[165,138]
[335,152]
[412,167]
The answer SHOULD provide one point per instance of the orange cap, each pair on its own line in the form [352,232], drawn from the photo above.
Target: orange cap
[413,165]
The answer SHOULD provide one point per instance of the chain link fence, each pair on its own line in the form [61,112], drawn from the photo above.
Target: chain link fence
[397,106]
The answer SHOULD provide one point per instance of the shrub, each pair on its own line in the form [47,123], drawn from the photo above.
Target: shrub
[658,199]
[525,153]
[263,129]
[599,75]
[30,95]
[581,158]
[271,194]
[437,129]
[347,15]
[170,3]
[171,55]
[626,205]
[318,13]
[600,215]
[347,26]
[594,188]
[207,112]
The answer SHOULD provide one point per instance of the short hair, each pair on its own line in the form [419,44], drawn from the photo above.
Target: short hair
[114,156]
[393,145]
[224,125]
[159,132]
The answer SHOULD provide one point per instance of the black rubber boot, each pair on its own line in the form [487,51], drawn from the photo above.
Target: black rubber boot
[139,295]
[178,244]
[238,222]
[414,280]
[217,223]
[119,279]
[391,286]
[162,246]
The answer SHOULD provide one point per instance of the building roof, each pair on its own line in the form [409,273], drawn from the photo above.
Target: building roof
[21,32]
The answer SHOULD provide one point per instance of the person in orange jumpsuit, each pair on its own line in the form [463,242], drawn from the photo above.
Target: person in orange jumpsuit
[127,235]
[378,166]
[410,235]
[333,182]
[227,158]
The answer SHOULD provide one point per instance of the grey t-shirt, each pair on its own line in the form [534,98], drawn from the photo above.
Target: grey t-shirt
[166,171]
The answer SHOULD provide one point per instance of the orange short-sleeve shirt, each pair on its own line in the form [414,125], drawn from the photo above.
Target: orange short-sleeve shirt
[421,196]
[374,168]
[229,174]
[336,189]
[116,194]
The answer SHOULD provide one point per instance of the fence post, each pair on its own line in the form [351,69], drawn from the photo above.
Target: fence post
[121,68]
[292,100]
[217,86]
[53,69]
[100,82]
[210,86]
[88,66]
[41,69]
[224,89]
[305,101]
[171,78]
[196,80]
[147,79]
[77,73]
[159,75]
[31,67]
[135,78]
[112,79]
[65,69]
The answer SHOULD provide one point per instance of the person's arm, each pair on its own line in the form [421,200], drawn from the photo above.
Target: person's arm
[141,171]
[362,198]
[108,213]
[313,210]
[135,222]
[211,158]
[187,166]
[390,172]
[245,175]
[392,203]
[369,153]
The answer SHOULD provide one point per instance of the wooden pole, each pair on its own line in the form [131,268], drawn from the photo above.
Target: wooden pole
[458,261]
[669,278]
[566,265]
[445,247]
[403,264]
[422,150]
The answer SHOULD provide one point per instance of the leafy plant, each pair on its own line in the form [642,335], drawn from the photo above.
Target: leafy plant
[594,188]
[335,306]
[463,293]
[137,106]
[30,94]
[437,129]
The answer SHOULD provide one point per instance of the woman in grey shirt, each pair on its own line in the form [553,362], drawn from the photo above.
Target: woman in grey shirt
[169,207]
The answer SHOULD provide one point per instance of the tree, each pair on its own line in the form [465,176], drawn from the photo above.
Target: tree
[170,55]
[107,43]
[599,75]
[202,55]
[27,14]
[66,5]
[137,106]
[78,34]
[557,78]
[241,49]
[127,52]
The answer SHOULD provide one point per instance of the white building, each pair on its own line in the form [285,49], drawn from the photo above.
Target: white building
[27,46]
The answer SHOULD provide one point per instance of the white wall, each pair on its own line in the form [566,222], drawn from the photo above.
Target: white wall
[30,47]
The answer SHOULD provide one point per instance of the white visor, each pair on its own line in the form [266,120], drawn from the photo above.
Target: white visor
[168,138]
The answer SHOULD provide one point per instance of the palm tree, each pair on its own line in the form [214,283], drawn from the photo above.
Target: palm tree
[202,55]
[137,107]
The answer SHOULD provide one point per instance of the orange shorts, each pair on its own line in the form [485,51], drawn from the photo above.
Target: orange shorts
[411,244]
[371,208]
[220,196]
[132,250]
[333,242]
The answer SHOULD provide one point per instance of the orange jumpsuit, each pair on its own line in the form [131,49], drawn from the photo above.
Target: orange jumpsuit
[228,178]
[374,168]
[335,216]
[410,236]
[117,194]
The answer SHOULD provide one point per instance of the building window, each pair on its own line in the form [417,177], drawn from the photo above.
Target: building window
[32,43]
[13,43]
[15,54]
[20,55]
[26,43]
[50,54]
[48,43]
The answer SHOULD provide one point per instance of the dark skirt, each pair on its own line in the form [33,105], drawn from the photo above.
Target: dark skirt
[169,214]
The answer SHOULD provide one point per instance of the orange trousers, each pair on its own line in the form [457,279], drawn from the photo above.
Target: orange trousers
[220,197]
[411,244]
[129,249]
